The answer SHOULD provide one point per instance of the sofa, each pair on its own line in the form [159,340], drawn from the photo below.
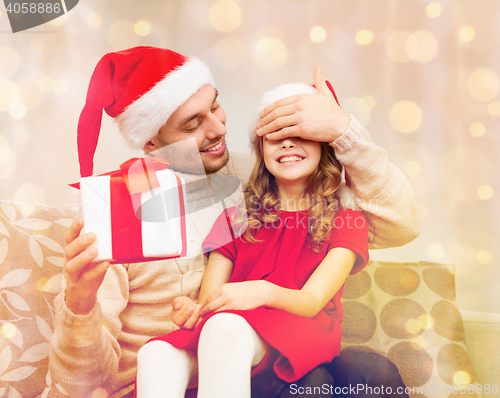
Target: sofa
[405,311]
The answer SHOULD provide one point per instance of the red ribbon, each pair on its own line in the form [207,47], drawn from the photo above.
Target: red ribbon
[135,176]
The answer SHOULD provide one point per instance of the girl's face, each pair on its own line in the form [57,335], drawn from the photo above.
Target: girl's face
[291,160]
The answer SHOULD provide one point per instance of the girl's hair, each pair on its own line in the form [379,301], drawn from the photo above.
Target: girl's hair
[261,197]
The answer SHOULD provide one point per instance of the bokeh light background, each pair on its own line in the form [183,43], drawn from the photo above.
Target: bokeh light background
[422,76]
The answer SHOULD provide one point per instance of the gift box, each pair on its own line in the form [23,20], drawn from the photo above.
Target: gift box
[138,213]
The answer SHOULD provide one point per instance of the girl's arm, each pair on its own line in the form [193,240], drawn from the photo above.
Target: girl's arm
[321,286]
[218,272]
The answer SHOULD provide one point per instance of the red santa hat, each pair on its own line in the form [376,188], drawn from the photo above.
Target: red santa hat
[140,88]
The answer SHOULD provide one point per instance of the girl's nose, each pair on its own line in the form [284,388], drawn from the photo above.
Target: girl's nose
[287,143]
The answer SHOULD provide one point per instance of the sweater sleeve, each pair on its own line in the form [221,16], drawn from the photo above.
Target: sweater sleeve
[84,352]
[382,190]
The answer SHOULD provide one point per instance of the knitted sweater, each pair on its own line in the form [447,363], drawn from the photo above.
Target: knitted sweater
[99,350]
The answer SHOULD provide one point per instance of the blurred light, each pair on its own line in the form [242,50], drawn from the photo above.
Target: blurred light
[230,52]
[8,330]
[477,129]
[485,192]
[483,85]
[433,10]
[426,321]
[484,257]
[9,61]
[30,93]
[224,16]
[40,283]
[21,137]
[364,37]
[412,168]
[422,46]
[100,393]
[494,108]
[395,47]
[30,192]
[142,28]
[37,43]
[423,210]
[9,93]
[359,108]
[17,110]
[46,83]
[317,34]
[270,53]
[405,116]
[94,21]
[121,35]
[467,34]
[461,377]
[369,101]
[412,326]
[435,251]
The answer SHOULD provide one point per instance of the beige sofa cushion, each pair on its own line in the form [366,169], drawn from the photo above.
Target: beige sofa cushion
[31,260]
[409,313]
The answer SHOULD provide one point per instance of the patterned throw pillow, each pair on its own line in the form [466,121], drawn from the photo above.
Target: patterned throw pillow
[31,261]
[408,312]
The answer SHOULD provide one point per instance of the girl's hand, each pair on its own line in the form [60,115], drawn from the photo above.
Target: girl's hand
[237,296]
[315,117]
[185,312]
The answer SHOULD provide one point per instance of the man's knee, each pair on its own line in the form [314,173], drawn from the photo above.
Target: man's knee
[362,374]
[317,383]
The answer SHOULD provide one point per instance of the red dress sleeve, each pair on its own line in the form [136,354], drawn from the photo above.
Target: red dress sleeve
[221,237]
[351,232]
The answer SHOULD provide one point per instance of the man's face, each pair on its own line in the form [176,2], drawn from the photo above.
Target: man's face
[202,118]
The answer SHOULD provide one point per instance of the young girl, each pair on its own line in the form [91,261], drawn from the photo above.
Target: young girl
[266,297]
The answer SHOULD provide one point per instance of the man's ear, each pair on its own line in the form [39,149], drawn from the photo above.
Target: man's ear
[150,146]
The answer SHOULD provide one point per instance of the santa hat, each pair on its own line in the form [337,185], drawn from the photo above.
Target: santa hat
[284,91]
[140,88]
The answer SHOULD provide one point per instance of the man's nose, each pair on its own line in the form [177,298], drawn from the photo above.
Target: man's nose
[217,127]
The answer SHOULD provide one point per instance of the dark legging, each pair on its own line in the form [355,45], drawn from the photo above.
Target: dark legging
[351,374]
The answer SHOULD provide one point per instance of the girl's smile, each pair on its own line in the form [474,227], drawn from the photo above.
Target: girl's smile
[291,160]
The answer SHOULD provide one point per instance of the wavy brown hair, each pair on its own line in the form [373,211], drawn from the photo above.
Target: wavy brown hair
[261,197]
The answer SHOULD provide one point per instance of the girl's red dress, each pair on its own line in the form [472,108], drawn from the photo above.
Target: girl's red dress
[283,255]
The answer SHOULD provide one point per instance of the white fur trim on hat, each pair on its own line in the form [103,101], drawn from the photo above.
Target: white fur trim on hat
[142,119]
[277,93]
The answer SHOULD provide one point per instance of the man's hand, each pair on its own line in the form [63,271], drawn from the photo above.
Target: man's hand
[83,277]
[238,296]
[185,312]
[315,117]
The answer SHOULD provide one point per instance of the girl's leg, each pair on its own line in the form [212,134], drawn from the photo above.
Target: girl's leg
[163,370]
[227,350]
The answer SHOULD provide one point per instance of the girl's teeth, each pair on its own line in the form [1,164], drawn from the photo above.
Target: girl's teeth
[290,159]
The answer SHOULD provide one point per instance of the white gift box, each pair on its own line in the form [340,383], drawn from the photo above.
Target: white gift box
[136,215]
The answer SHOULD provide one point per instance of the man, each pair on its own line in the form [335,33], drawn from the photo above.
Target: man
[106,313]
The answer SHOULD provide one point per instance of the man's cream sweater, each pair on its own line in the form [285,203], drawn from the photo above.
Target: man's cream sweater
[99,350]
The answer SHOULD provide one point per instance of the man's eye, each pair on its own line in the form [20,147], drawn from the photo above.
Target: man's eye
[194,127]
[215,107]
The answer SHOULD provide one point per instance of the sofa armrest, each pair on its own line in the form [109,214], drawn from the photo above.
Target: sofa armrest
[482,338]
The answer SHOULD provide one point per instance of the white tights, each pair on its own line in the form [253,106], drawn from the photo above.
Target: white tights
[227,350]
